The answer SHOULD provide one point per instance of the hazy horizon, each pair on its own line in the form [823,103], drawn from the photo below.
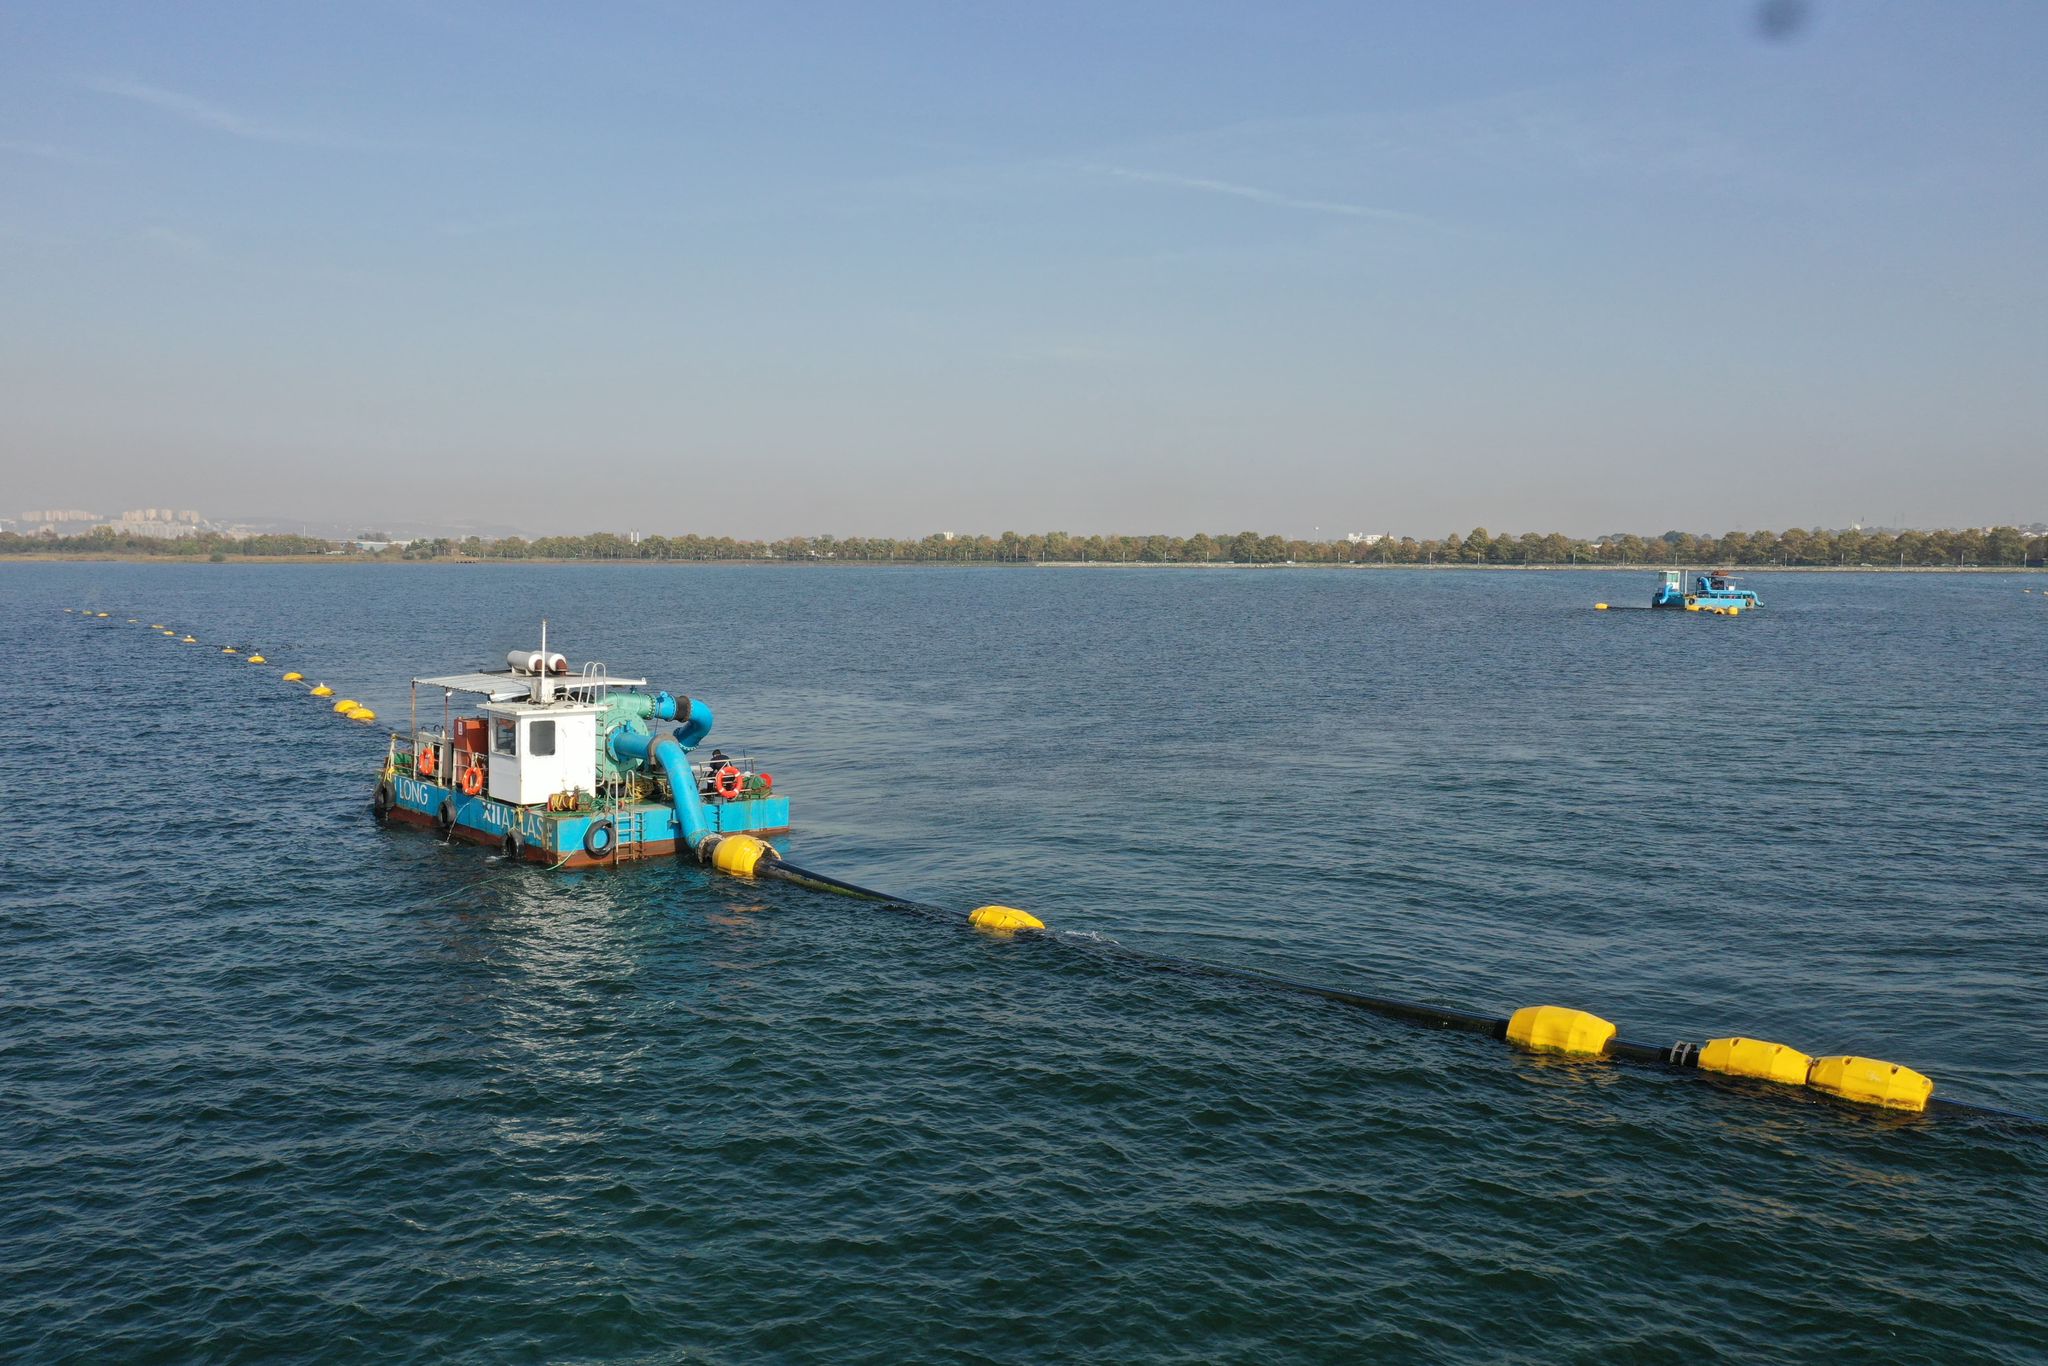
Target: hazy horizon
[1300,268]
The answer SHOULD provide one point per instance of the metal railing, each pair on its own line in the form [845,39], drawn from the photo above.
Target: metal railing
[451,763]
[754,783]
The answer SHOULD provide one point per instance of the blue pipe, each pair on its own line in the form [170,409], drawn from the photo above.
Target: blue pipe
[667,752]
[695,716]
[696,719]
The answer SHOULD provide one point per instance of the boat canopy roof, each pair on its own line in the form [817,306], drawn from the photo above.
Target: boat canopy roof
[506,686]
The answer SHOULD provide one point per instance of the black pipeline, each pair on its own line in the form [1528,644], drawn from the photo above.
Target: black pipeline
[1552,1029]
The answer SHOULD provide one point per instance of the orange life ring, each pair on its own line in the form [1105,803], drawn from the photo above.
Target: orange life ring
[727,783]
[423,760]
[473,779]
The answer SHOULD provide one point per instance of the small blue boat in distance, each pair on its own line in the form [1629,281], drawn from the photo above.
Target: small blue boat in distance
[1693,590]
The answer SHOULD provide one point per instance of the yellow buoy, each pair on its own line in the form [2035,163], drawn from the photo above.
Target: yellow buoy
[739,854]
[1599,606]
[360,713]
[1559,1029]
[1003,919]
[156,626]
[227,649]
[347,704]
[1755,1058]
[103,614]
[258,659]
[1871,1082]
[295,677]
[322,690]
[191,640]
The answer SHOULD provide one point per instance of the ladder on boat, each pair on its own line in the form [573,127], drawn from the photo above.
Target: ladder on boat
[629,827]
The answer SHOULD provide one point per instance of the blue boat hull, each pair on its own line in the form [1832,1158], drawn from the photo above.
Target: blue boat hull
[1709,601]
[570,839]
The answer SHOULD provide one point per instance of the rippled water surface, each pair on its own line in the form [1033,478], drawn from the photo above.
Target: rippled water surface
[276,1083]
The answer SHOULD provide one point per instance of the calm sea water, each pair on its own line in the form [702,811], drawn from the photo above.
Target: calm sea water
[275,1083]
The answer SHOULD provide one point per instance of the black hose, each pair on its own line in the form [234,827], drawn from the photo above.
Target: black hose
[1679,1055]
[786,871]
[1410,1011]
[819,882]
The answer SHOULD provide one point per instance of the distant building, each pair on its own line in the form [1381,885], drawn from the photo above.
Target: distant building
[151,526]
[56,515]
[1366,537]
[165,523]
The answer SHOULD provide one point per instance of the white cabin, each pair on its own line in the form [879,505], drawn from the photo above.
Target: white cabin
[541,748]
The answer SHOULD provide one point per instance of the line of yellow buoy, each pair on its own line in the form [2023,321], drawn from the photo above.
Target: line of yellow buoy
[347,706]
[1729,611]
[1867,1081]
[1540,1029]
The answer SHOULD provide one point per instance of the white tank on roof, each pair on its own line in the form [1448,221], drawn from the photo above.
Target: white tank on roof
[528,661]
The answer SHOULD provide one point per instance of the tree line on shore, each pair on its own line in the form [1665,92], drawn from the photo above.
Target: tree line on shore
[1994,546]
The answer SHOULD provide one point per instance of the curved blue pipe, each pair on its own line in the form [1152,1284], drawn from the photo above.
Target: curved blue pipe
[696,719]
[666,752]
[695,716]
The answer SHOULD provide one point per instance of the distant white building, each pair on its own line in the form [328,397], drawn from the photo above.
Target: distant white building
[57,515]
[166,523]
[153,526]
[1366,537]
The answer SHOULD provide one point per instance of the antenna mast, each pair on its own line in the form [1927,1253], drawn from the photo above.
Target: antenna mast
[543,683]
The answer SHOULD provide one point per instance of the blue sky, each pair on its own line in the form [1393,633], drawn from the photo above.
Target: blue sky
[891,268]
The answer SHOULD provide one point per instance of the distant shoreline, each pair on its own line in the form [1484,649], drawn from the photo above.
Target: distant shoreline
[1738,570]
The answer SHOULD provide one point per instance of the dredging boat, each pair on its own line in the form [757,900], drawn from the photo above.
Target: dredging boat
[1710,591]
[570,770]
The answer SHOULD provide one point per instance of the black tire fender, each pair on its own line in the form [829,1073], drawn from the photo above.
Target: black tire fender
[596,847]
[444,819]
[380,805]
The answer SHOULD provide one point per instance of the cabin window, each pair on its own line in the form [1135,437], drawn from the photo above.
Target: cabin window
[502,737]
[540,738]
